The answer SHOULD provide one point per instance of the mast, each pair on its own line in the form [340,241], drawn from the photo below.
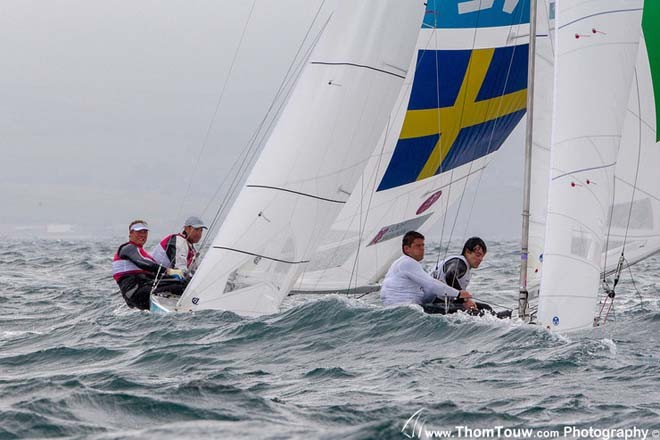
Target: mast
[523,295]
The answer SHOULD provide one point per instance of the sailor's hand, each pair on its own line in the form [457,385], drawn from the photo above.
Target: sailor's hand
[175,273]
[469,304]
[464,294]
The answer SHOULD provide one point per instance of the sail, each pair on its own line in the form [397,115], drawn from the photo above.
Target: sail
[314,156]
[634,227]
[596,45]
[541,135]
[465,93]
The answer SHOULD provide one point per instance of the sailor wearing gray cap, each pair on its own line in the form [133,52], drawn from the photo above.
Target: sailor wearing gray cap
[178,250]
[195,222]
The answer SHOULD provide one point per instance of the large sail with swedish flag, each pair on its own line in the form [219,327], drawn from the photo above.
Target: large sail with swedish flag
[465,93]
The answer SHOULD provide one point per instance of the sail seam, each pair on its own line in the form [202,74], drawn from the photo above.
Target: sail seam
[296,192]
[363,66]
[260,256]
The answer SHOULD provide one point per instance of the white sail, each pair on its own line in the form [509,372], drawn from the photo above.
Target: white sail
[313,158]
[634,229]
[596,46]
[464,95]
[540,172]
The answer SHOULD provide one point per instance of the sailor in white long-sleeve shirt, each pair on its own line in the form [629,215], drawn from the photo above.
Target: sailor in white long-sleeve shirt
[406,281]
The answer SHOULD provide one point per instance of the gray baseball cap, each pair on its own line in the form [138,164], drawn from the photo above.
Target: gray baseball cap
[195,222]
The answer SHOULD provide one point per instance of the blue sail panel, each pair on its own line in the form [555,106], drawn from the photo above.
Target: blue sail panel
[469,99]
[462,14]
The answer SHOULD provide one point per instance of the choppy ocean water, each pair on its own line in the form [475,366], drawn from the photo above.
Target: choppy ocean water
[75,362]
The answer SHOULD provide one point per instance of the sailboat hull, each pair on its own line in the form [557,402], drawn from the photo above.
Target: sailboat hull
[162,305]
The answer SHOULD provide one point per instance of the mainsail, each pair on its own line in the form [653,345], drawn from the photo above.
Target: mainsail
[465,93]
[541,138]
[595,48]
[313,158]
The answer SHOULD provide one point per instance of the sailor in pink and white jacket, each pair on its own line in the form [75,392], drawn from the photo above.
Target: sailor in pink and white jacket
[178,250]
[135,271]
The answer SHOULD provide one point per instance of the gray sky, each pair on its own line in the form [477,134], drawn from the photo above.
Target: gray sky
[99,98]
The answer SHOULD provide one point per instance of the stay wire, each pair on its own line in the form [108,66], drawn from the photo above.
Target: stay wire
[632,197]
[488,151]
[363,222]
[217,106]
[241,163]
[632,279]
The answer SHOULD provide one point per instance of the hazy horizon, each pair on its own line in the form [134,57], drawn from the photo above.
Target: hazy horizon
[100,99]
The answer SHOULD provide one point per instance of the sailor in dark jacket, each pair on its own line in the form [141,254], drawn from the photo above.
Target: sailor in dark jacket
[456,270]
[138,274]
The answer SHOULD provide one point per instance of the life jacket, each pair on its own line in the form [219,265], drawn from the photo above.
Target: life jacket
[463,280]
[122,267]
[161,256]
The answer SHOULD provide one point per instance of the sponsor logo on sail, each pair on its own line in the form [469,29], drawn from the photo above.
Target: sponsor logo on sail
[481,5]
[428,202]
[398,229]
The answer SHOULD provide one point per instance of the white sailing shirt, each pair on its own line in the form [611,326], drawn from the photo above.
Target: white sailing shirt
[406,282]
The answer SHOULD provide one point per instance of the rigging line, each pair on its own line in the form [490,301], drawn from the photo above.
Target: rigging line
[217,105]
[286,81]
[363,225]
[356,261]
[632,197]
[363,221]
[250,157]
[639,156]
[479,179]
[288,77]
[632,279]
[440,140]
[465,95]
[488,151]
[354,269]
[493,304]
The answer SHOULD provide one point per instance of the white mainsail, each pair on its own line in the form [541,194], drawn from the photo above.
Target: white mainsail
[595,48]
[540,155]
[313,158]
[464,95]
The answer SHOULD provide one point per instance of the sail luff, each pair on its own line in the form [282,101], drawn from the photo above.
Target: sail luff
[523,294]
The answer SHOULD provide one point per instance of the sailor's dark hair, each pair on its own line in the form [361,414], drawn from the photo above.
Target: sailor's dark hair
[409,237]
[472,243]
